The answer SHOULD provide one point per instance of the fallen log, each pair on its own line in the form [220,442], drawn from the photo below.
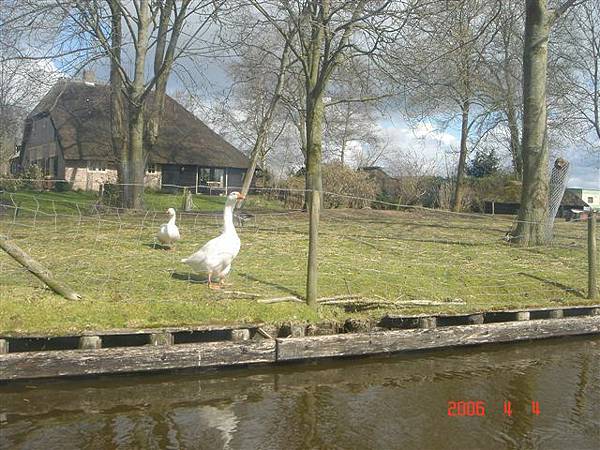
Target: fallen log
[37,269]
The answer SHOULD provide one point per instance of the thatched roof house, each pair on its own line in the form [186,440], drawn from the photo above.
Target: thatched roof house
[68,136]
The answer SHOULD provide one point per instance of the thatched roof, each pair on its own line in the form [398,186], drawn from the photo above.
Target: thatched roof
[80,113]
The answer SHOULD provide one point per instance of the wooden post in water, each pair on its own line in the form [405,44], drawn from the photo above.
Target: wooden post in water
[592,254]
[37,269]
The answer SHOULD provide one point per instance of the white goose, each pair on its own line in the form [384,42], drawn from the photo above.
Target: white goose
[168,233]
[215,257]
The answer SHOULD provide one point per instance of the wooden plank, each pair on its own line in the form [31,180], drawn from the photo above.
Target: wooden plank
[445,320]
[122,331]
[133,359]
[417,339]
[412,321]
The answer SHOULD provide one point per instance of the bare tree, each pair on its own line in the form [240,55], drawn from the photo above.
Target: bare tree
[349,122]
[530,228]
[156,26]
[259,73]
[576,74]
[129,34]
[442,65]
[22,84]
[414,172]
[327,33]
[502,77]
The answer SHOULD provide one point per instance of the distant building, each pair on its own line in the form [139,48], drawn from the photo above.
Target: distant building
[386,184]
[68,136]
[590,196]
[571,206]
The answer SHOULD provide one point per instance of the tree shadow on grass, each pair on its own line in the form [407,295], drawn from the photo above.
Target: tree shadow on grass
[359,307]
[156,246]
[270,283]
[189,277]
[569,289]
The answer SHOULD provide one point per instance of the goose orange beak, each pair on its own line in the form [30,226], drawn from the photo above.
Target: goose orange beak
[241,197]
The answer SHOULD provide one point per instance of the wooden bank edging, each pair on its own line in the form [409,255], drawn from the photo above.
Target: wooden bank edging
[49,364]
[421,339]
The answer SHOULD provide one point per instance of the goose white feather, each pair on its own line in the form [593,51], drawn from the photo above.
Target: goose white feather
[216,256]
[168,233]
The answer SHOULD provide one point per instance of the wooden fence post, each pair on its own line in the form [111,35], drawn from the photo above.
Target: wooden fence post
[187,203]
[592,254]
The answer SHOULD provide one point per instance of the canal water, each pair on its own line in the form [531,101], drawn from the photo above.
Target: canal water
[537,395]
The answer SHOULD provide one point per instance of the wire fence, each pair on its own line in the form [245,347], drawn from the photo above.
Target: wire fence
[386,255]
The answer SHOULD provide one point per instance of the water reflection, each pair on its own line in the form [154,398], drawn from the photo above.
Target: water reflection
[397,402]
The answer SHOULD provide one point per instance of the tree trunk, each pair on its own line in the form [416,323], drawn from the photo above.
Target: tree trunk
[534,195]
[512,117]
[314,137]
[462,159]
[137,160]
[255,156]
[117,108]
[164,57]
[515,145]
[301,125]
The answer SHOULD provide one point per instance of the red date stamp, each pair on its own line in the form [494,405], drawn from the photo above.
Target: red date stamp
[466,408]
[471,408]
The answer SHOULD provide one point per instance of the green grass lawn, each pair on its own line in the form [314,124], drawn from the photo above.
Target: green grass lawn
[82,202]
[391,256]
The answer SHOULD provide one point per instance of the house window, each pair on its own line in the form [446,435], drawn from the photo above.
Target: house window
[206,175]
[590,200]
[151,168]
[217,175]
[97,166]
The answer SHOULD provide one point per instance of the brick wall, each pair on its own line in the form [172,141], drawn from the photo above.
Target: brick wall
[90,180]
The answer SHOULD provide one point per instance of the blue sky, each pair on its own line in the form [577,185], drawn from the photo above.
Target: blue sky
[439,145]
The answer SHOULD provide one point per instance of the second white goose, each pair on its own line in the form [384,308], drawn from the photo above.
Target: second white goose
[216,256]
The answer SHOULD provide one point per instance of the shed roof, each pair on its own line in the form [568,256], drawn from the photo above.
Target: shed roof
[572,200]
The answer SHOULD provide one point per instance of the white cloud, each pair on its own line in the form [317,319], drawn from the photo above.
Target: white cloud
[432,146]
[426,130]
[584,170]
